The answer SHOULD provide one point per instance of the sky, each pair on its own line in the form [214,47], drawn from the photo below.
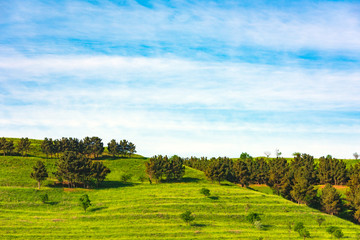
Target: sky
[192,78]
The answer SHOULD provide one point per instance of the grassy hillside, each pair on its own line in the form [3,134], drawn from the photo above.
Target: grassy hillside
[144,211]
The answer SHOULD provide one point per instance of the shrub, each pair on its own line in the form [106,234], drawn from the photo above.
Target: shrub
[252,217]
[298,226]
[338,233]
[205,192]
[44,198]
[187,217]
[125,178]
[304,233]
[142,179]
[331,229]
[320,220]
[85,201]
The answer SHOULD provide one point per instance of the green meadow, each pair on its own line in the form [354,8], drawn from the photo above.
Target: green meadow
[140,210]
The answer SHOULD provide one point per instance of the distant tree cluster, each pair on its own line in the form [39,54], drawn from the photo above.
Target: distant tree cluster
[76,169]
[90,147]
[160,168]
[295,180]
[8,147]
[122,148]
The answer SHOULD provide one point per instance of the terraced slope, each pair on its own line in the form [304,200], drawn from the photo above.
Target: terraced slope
[142,211]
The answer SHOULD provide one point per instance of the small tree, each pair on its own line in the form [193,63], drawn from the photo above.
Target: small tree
[205,192]
[338,233]
[267,154]
[85,202]
[298,226]
[187,217]
[252,217]
[39,172]
[356,155]
[125,177]
[320,220]
[331,200]
[277,153]
[24,146]
[44,198]
[304,233]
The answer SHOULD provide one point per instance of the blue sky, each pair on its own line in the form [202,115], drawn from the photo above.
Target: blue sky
[203,78]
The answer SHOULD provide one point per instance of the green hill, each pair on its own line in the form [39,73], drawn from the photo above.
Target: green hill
[137,210]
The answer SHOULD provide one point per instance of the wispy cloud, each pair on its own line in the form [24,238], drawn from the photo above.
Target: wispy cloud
[204,77]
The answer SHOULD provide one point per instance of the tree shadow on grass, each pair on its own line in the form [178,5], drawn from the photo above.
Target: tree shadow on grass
[52,203]
[214,197]
[198,225]
[97,209]
[266,227]
[184,180]
[115,184]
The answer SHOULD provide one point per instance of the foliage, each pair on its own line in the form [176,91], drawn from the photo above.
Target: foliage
[159,167]
[298,226]
[332,171]
[331,200]
[331,229]
[85,202]
[7,146]
[219,169]
[44,198]
[205,192]
[252,217]
[39,172]
[338,233]
[241,173]
[187,217]
[304,233]
[24,146]
[77,170]
[125,177]
[320,220]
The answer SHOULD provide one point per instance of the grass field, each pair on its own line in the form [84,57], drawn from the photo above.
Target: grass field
[138,210]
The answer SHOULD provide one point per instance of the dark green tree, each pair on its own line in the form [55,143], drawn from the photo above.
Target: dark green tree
[303,192]
[219,169]
[98,172]
[241,173]
[320,220]
[23,146]
[304,233]
[331,200]
[47,147]
[154,168]
[131,149]
[205,192]
[187,217]
[252,217]
[353,192]
[278,169]
[113,147]
[39,172]
[7,147]
[85,202]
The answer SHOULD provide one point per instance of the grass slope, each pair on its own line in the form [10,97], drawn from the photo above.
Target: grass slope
[144,211]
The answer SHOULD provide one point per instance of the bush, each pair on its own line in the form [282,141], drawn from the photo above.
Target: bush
[44,198]
[205,192]
[187,217]
[125,178]
[85,201]
[252,217]
[338,233]
[304,233]
[298,226]
[331,229]
[320,220]
[142,179]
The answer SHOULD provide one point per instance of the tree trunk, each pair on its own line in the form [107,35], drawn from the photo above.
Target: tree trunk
[38,184]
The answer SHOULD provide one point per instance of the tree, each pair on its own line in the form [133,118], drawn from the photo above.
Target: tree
[356,155]
[39,172]
[47,146]
[277,153]
[154,168]
[353,192]
[85,202]
[304,233]
[320,220]
[303,192]
[252,217]
[187,217]
[131,148]
[278,169]
[298,226]
[331,200]
[24,146]
[205,192]
[218,169]
[74,168]
[99,172]
[113,147]
[241,173]
[267,154]
[7,146]
[338,233]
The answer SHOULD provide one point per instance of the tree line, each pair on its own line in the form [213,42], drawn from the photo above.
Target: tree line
[8,147]
[74,170]
[91,147]
[160,168]
[294,180]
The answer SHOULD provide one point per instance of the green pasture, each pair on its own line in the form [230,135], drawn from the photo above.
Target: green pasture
[137,210]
